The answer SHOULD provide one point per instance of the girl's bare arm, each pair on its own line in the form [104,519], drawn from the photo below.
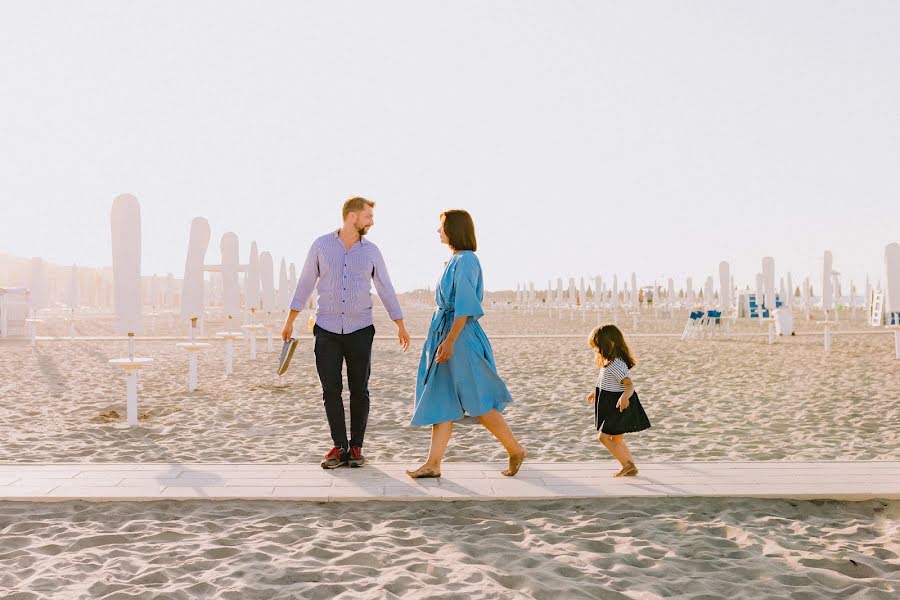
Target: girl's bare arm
[623,402]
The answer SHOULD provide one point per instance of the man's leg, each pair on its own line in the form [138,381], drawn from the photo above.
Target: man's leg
[358,351]
[329,361]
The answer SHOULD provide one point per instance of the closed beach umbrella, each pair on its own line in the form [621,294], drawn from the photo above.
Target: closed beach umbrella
[231,291]
[125,220]
[192,298]
[634,294]
[72,288]
[39,288]
[788,299]
[267,281]
[768,271]
[892,271]
[292,282]
[285,294]
[252,279]
[724,285]
[827,290]
[615,292]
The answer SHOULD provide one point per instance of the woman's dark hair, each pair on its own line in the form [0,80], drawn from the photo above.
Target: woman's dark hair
[460,230]
[609,344]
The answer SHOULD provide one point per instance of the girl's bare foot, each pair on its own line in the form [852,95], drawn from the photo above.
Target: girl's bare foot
[515,461]
[424,472]
[629,470]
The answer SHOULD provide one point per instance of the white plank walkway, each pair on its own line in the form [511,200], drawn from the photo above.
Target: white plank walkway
[460,481]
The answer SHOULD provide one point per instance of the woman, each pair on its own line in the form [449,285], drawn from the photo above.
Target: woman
[457,375]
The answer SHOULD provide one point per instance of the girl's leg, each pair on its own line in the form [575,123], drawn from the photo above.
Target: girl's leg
[619,440]
[440,437]
[497,425]
[617,447]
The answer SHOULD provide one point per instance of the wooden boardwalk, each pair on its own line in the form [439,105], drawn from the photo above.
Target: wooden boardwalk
[859,480]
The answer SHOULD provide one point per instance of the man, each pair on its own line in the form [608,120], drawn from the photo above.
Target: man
[341,266]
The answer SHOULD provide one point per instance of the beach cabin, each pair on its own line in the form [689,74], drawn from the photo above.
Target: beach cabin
[750,305]
[13,311]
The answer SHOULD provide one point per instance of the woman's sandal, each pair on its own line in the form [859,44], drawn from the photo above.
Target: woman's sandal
[423,473]
[628,470]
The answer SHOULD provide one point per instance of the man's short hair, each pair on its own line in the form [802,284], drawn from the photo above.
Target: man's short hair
[355,204]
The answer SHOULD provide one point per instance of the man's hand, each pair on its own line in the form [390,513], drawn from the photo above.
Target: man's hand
[403,336]
[444,351]
[287,331]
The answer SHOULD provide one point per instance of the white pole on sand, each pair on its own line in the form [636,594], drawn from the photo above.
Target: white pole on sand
[125,219]
[615,297]
[549,299]
[571,300]
[231,295]
[192,294]
[559,297]
[252,297]
[72,300]
[770,303]
[827,296]
[32,323]
[583,299]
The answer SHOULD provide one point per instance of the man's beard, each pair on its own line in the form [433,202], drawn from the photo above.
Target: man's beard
[363,231]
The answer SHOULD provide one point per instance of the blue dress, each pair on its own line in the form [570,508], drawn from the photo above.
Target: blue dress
[468,383]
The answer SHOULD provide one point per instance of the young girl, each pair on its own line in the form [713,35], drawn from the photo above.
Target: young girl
[617,409]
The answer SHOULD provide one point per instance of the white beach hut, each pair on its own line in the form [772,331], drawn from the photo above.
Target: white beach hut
[892,302]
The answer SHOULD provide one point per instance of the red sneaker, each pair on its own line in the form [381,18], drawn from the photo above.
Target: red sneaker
[356,458]
[337,457]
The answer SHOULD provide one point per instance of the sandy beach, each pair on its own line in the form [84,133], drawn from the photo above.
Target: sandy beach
[720,399]
[734,398]
[638,549]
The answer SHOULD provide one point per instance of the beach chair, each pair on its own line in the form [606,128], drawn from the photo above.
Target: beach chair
[711,322]
[693,325]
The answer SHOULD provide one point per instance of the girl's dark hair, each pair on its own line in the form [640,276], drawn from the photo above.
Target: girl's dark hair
[459,229]
[609,344]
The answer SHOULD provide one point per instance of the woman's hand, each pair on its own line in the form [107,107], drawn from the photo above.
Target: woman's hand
[444,351]
[622,404]
[590,398]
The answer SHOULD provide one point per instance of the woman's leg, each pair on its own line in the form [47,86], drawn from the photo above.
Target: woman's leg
[497,425]
[440,437]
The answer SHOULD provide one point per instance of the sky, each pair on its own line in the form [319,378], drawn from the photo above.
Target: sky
[584,137]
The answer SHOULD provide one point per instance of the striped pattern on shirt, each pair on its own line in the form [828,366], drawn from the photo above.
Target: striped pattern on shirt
[611,376]
[343,282]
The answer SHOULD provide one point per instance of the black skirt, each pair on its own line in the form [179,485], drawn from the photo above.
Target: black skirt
[608,418]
